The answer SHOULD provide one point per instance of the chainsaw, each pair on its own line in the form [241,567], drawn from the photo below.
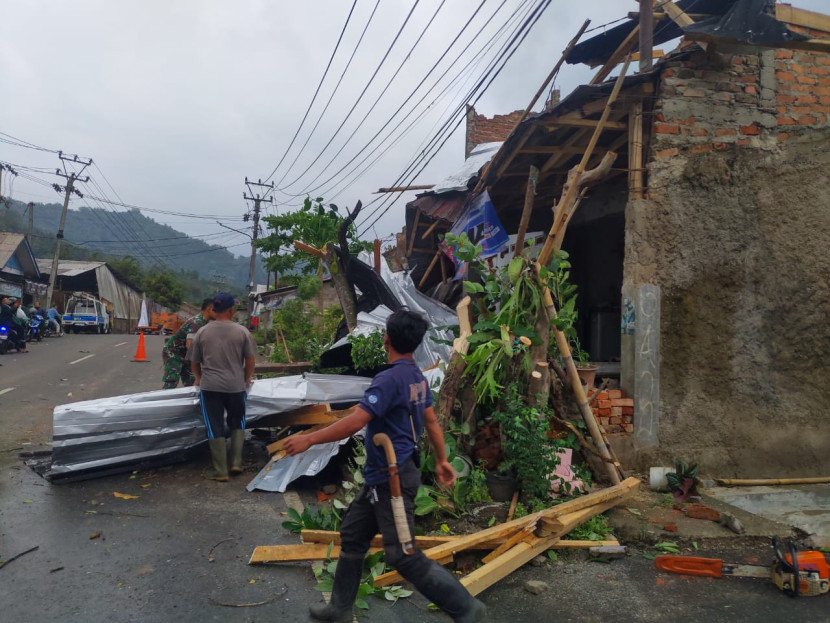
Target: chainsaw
[796,573]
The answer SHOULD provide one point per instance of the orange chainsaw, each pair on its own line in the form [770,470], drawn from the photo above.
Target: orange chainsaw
[796,573]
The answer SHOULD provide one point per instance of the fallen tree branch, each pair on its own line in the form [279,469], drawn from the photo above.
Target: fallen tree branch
[21,554]
[249,605]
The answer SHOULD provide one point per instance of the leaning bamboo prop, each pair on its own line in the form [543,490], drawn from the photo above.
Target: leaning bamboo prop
[562,214]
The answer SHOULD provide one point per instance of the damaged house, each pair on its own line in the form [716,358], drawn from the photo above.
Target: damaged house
[701,254]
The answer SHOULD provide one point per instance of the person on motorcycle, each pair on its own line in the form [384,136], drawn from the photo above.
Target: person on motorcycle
[55,320]
[8,318]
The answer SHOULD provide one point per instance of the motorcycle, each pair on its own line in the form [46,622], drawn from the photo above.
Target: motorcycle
[38,328]
[6,341]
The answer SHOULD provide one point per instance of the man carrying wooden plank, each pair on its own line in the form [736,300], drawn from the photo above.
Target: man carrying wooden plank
[398,403]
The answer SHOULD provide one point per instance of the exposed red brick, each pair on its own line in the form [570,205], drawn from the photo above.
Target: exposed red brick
[666,153]
[819,71]
[737,60]
[743,142]
[823,60]
[751,90]
[746,78]
[700,511]
[805,80]
[615,420]
[802,88]
[604,404]
[784,99]
[626,402]
[783,136]
[786,120]
[604,412]
[668,73]
[807,99]
[822,110]
[666,128]
[720,146]
[699,149]
[616,412]
[614,394]
[799,110]
[785,76]
[726,132]
[629,428]
[807,120]
[825,82]
[798,69]
[779,53]
[700,132]
[822,90]
[602,395]
[628,411]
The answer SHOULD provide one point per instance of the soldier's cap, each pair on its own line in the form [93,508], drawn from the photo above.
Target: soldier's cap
[223,301]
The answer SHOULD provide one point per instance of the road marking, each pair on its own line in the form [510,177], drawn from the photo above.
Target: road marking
[119,344]
[6,391]
[81,359]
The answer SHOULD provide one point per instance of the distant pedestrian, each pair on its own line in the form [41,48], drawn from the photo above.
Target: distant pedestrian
[174,353]
[222,357]
[55,319]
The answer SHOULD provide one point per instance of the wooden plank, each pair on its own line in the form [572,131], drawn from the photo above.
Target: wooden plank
[678,17]
[308,415]
[610,497]
[801,17]
[426,542]
[556,159]
[307,248]
[524,551]
[521,535]
[264,554]
[550,149]
[584,123]
[617,57]
[278,445]
[635,56]
[401,189]
[298,367]
[430,229]
[429,269]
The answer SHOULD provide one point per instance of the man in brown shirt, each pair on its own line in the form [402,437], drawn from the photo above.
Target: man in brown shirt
[222,360]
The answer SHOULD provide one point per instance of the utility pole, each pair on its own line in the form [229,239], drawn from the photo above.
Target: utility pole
[257,202]
[31,208]
[71,178]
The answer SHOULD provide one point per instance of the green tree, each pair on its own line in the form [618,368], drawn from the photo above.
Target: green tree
[164,289]
[129,268]
[314,224]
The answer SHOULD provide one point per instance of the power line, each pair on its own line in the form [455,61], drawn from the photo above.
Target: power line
[507,52]
[316,92]
[359,98]
[331,97]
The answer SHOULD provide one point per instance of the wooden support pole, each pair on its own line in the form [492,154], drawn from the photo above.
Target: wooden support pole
[646,34]
[307,248]
[431,229]
[414,231]
[427,272]
[635,151]
[376,249]
[530,193]
[571,44]
[616,58]
[570,195]
[400,189]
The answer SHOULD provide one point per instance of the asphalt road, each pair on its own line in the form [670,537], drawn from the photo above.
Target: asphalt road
[181,547]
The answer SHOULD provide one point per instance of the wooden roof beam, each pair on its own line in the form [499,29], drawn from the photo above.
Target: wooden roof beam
[801,17]
[583,123]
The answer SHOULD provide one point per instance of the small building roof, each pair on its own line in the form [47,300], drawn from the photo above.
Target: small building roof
[69,268]
[16,245]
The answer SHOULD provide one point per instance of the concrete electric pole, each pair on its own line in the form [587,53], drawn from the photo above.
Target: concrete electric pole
[69,189]
[257,202]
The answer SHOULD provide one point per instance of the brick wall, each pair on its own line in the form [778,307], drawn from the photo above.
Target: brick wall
[734,100]
[480,129]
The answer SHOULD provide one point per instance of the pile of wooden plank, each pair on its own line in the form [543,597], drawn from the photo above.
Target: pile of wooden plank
[511,544]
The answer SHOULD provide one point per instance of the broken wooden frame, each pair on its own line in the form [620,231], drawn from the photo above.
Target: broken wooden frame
[514,543]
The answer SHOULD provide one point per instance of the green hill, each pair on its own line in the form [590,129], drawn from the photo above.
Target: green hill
[94,233]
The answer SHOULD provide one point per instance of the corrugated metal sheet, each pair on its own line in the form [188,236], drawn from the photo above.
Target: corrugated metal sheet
[458,181]
[69,268]
[15,244]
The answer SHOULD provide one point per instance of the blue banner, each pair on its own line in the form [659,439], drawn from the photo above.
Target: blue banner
[482,226]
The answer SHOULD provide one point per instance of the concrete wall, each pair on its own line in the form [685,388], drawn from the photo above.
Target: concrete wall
[734,236]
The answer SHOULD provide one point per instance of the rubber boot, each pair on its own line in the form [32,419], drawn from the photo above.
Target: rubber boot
[446,592]
[237,441]
[220,460]
[346,582]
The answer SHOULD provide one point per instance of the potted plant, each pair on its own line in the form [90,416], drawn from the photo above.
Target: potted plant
[586,370]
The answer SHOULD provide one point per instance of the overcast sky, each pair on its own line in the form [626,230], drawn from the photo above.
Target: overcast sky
[178,101]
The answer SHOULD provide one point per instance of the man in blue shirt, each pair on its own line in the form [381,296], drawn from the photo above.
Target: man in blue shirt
[398,403]
[55,319]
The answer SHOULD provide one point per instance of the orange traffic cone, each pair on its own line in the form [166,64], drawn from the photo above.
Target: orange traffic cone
[140,353]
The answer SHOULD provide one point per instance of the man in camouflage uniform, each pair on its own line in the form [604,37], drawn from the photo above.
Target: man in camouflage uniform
[175,349]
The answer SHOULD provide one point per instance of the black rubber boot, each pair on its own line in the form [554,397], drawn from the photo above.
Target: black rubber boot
[346,582]
[219,455]
[237,442]
[446,592]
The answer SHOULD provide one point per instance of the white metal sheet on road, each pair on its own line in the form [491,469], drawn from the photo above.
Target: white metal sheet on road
[119,344]
[6,391]
[81,359]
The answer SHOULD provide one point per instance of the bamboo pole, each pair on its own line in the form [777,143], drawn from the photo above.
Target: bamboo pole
[635,151]
[530,193]
[533,101]
[765,482]
[429,269]
[414,232]
[544,255]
